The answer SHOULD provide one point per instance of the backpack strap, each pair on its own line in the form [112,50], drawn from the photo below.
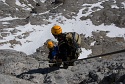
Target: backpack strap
[75,41]
[78,38]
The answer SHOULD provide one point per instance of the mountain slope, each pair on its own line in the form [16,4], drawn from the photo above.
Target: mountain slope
[22,21]
[25,27]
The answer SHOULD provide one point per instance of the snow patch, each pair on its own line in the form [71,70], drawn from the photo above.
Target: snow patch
[92,44]
[84,53]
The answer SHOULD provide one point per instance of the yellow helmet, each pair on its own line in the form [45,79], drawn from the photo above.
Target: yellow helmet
[50,44]
[56,30]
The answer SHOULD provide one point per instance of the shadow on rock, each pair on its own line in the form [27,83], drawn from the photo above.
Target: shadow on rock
[40,71]
[113,79]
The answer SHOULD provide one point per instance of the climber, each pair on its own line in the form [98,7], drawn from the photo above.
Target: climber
[53,54]
[68,44]
[53,50]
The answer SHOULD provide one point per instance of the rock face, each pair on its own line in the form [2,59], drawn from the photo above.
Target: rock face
[18,68]
[6,79]
[108,12]
[13,63]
